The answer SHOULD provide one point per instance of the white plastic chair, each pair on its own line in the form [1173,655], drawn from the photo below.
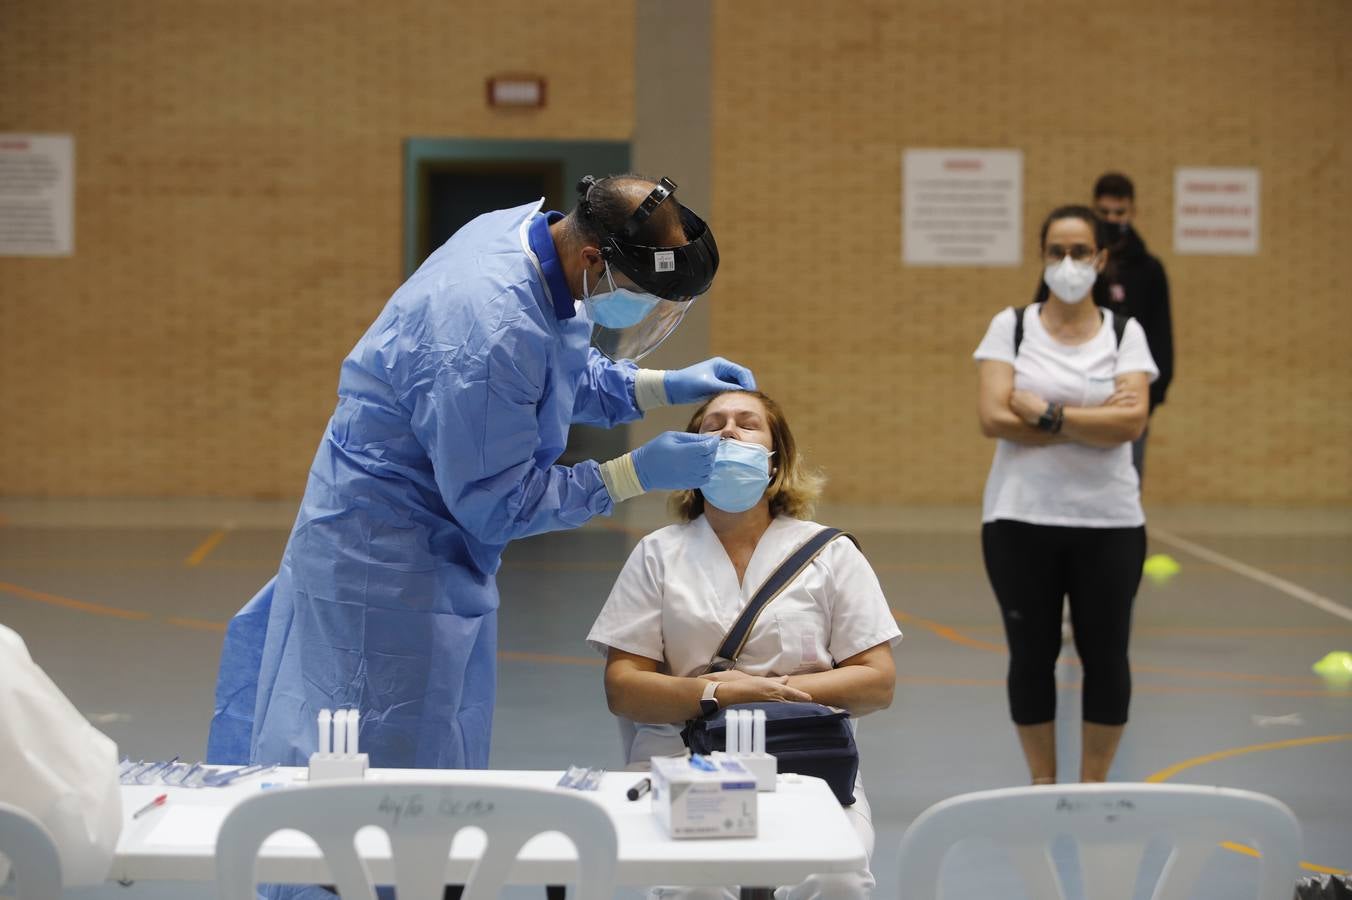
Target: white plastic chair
[421,821]
[1112,823]
[31,851]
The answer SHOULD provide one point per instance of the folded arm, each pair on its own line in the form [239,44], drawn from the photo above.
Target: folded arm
[997,417]
[862,684]
[637,691]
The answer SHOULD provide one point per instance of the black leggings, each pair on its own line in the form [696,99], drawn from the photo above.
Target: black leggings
[1031,567]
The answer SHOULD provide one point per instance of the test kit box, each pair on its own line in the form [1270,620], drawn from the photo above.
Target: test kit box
[704,798]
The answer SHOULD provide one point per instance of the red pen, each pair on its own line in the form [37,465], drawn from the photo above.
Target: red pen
[158,801]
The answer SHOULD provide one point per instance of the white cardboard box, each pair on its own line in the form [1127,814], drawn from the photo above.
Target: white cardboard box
[692,802]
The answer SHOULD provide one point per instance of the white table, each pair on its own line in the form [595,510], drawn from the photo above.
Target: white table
[802,830]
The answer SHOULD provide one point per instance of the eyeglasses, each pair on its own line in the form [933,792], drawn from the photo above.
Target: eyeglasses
[1078,252]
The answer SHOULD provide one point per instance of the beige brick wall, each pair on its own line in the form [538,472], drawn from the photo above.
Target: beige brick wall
[239,219]
[239,208]
[813,106]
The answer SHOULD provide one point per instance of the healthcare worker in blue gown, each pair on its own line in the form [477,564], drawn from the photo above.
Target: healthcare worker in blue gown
[452,410]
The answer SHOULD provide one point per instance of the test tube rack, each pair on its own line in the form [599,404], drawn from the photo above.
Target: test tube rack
[337,756]
[744,741]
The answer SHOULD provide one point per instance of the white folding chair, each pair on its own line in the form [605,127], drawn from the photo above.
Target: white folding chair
[31,851]
[421,821]
[1112,824]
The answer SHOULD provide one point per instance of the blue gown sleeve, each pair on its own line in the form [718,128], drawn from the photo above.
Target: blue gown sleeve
[477,415]
[605,396]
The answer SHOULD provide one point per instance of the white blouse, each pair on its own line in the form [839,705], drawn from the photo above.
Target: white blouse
[678,595]
[1065,484]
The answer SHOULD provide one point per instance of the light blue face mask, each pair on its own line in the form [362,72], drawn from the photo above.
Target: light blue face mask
[617,307]
[741,475]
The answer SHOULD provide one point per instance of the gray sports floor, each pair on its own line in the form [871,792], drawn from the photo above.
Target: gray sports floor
[124,605]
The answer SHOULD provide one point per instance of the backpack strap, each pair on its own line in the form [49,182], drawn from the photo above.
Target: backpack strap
[1120,327]
[1018,327]
[735,640]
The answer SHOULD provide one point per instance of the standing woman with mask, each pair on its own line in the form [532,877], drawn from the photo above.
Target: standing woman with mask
[1064,388]
[826,637]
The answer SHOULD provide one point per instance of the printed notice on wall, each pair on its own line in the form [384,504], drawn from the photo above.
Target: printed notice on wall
[1216,211]
[37,195]
[962,207]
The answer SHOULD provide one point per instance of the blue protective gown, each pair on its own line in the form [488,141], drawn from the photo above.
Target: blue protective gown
[452,410]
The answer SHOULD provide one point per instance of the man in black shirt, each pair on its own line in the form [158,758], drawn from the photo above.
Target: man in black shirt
[1139,287]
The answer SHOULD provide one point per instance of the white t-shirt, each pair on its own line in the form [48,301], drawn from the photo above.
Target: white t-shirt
[678,595]
[1065,484]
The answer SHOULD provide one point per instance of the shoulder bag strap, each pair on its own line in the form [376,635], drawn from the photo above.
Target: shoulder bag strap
[735,640]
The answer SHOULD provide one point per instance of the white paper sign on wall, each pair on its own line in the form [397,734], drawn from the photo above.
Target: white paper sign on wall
[37,195]
[962,207]
[1216,211]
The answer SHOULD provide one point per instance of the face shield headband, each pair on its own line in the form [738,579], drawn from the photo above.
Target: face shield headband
[677,274]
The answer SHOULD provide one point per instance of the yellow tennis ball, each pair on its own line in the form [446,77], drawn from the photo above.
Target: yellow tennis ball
[1335,668]
[1160,568]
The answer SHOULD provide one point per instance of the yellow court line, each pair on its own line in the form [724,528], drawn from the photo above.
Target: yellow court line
[97,609]
[1250,851]
[1166,774]
[195,558]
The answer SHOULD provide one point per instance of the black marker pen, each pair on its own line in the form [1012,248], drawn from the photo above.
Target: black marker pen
[640,789]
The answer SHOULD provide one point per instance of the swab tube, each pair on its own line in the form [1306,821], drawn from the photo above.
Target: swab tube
[730,729]
[325,731]
[758,732]
[744,741]
[340,731]
[353,721]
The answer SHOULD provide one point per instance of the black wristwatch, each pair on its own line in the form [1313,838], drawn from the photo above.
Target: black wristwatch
[1047,421]
[708,704]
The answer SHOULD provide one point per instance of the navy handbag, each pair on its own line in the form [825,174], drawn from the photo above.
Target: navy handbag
[806,738]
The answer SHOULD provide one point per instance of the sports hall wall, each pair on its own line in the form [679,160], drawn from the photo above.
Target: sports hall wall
[239,219]
[813,105]
[239,214]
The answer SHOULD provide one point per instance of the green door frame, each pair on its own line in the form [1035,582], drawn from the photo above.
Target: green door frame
[578,158]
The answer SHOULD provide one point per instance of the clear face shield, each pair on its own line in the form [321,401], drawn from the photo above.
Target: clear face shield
[633,315]
[628,323]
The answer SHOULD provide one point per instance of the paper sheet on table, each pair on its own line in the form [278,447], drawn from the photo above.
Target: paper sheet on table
[197,826]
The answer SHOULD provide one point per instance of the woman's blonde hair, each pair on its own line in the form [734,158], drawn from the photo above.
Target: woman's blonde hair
[794,487]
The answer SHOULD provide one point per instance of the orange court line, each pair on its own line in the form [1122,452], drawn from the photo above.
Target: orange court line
[199,624]
[949,633]
[97,609]
[203,549]
[521,656]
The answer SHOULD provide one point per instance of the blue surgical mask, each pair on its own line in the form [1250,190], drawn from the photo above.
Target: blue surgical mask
[616,307]
[741,475]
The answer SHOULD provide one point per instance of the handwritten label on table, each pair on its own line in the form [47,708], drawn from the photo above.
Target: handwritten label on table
[398,807]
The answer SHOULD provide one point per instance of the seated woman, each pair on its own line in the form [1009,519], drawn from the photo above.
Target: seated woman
[827,637]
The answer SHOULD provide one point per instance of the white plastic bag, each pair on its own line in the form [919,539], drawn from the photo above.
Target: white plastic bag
[57,767]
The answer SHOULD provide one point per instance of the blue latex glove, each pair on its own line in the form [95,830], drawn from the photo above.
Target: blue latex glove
[676,460]
[713,376]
